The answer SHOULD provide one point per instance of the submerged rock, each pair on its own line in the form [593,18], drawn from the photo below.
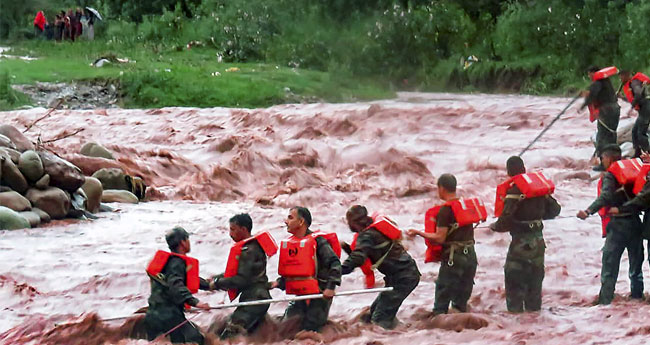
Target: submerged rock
[96,150]
[114,195]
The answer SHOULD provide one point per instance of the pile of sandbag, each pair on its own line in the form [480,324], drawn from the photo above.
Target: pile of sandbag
[37,185]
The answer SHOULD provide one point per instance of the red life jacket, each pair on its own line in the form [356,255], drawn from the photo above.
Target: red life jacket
[626,170]
[605,73]
[531,185]
[599,75]
[386,226]
[159,261]
[603,212]
[466,212]
[298,262]
[627,90]
[267,243]
[641,179]
[366,268]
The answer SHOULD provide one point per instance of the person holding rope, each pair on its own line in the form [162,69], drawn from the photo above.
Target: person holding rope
[603,106]
[622,231]
[634,91]
[522,217]
[379,241]
[174,278]
[458,267]
[245,276]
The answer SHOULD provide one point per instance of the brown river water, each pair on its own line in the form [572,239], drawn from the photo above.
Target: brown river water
[205,165]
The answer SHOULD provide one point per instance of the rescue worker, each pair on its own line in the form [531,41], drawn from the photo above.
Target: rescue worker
[314,312]
[635,93]
[379,241]
[171,281]
[623,232]
[246,276]
[602,98]
[522,217]
[458,267]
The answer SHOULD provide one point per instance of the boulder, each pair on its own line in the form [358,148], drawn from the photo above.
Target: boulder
[93,189]
[113,178]
[30,165]
[12,177]
[45,218]
[53,201]
[12,220]
[6,142]
[19,139]
[32,217]
[89,165]
[43,182]
[14,201]
[114,195]
[96,150]
[62,174]
[11,153]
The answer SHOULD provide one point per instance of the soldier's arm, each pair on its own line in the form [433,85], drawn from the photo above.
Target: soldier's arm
[251,263]
[175,279]
[358,256]
[204,284]
[594,89]
[326,255]
[639,203]
[606,194]
[552,208]
[506,219]
[637,91]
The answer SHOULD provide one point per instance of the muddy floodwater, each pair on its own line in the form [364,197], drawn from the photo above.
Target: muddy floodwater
[205,165]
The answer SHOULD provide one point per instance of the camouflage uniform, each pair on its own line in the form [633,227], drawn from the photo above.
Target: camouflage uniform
[602,95]
[166,304]
[524,267]
[640,129]
[252,284]
[458,267]
[623,232]
[395,263]
[314,313]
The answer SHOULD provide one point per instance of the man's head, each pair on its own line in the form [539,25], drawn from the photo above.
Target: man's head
[625,76]
[446,186]
[515,166]
[357,217]
[298,221]
[178,240]
[591,70]
[240,227]
[610,154]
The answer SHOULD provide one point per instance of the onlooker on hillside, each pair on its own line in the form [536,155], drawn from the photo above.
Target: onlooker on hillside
[39,24]
[78,27]
[71,25]
[91,24]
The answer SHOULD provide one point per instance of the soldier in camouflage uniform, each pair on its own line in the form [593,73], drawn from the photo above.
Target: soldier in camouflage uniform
[458,267]
[251,281]
[389,257]
[524,267]
[623,232]
[169,293]
[313,313]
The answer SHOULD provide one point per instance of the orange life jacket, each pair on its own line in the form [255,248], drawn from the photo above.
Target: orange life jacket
[531,185]
[641,179]
[466,212]
[599,75]
[627,90]
[159,261]
[298,262]
[366,268]
[626,170]
[267,243]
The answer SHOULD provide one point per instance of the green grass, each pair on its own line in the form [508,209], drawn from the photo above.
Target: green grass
[169,77]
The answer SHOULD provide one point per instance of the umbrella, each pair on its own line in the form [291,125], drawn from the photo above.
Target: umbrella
[94,12]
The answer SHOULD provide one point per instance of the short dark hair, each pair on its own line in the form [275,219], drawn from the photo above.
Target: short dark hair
[175,236]
[242,219]
[448,182]
[304,214]
[612,151]
[359,214]
[515,166]
[593,69]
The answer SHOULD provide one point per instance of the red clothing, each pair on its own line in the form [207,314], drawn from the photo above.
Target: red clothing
[40,20]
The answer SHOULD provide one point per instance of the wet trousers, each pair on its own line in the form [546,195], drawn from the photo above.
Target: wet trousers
[245,320]
[607,125]
[385,306]
[455,281]
[313,313]
[524,273]
[161,320]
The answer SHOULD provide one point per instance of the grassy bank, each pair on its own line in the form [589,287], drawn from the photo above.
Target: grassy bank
[158,76]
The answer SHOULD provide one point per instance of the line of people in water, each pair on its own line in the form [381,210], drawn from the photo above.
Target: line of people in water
[310,261]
